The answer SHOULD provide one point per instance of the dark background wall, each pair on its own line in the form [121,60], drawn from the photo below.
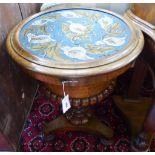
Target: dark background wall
[17,90]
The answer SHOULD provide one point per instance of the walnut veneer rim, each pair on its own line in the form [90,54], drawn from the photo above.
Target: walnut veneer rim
[76,72]
[146,27]
[94,63]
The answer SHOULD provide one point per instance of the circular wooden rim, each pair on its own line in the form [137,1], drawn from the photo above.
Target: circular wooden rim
[56,64]
[61,72]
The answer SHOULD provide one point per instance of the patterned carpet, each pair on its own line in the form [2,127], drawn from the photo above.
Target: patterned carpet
[46,108]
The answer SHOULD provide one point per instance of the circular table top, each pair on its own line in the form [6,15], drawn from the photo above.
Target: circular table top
[76,38]
[77,35]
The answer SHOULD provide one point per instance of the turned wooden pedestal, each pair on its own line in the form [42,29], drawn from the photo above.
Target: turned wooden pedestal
[81,115]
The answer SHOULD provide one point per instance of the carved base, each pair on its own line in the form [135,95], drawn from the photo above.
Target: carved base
[80,116]
[93,126]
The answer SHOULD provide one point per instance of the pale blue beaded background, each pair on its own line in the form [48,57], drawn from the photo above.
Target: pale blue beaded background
[75,35]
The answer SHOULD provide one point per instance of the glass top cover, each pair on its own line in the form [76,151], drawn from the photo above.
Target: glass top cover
[75,35]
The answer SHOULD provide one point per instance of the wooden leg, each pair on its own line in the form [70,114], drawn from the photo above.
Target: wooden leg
[140,118]
[81,119]
[135,114]
[139,73]
[93,126]
[143,139]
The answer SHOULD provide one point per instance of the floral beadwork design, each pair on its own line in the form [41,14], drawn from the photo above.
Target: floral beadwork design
[75,35]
